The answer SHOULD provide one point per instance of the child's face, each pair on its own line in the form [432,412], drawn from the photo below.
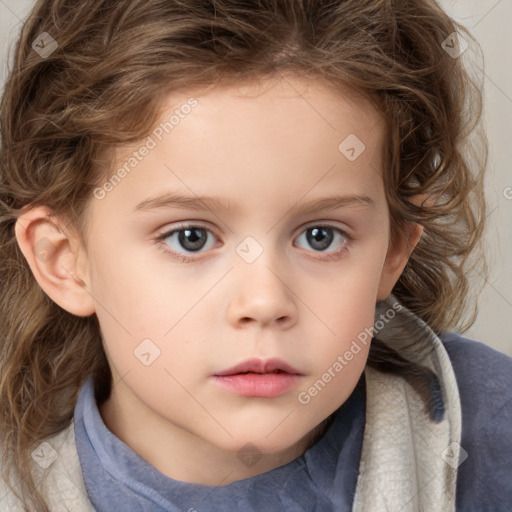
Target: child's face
[258,286]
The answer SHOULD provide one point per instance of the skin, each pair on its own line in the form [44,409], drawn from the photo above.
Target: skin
[266,148]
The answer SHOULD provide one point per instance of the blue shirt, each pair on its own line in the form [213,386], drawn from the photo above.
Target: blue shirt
[323,478]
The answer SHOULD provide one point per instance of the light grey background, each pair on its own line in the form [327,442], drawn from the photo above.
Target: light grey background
[489,21]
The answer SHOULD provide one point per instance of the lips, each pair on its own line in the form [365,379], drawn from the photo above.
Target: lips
[258,378]
[255,365]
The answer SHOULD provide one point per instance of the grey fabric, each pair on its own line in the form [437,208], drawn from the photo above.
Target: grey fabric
[484,377]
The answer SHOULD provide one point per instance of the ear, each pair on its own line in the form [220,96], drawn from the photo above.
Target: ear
[399,252]
[54,259]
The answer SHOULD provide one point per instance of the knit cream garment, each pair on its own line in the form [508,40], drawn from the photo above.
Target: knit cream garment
[408,463]
[61,482]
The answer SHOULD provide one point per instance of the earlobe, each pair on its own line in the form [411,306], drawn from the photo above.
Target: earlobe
[54,260]
[396,259]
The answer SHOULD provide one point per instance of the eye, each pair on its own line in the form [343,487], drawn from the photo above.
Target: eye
[189,238]
[320,237]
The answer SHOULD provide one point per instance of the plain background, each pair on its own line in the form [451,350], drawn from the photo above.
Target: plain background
[489,22]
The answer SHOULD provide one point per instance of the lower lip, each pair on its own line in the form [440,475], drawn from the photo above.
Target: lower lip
[266,385]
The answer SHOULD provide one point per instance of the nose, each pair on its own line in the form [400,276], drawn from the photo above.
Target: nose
[262,296]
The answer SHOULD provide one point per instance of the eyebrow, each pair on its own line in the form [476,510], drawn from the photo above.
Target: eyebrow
[204,203]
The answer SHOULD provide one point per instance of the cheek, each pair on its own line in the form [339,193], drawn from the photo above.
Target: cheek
[129,289]
[361,278]
[126,307]
[346,309]
[347,299]
[143,321]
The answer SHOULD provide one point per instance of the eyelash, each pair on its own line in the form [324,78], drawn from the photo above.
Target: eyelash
[186,259]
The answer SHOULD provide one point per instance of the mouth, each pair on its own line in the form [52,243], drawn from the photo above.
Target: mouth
[260,366]
[257,378]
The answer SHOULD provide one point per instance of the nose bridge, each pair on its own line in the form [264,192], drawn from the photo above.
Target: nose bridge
[262,292]
[259,261]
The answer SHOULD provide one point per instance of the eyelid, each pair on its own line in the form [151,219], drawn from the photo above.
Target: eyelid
[180,226]
[329,224]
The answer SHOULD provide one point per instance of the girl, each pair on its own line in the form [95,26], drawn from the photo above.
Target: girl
[236,242]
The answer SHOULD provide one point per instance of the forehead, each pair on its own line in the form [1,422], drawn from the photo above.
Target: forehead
[331,103]
[300,114]
[274,139]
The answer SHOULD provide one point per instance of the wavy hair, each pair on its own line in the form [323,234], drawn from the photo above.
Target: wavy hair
[62,116]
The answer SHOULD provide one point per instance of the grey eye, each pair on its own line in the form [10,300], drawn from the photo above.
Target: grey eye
[321,237]
[191,238]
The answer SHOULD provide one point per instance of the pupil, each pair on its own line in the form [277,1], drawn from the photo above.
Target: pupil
[192,239]
[319,238]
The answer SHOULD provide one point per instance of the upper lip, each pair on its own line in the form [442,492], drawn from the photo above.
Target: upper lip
[256,365]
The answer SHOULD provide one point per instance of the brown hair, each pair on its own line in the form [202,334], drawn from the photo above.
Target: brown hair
[102,87]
